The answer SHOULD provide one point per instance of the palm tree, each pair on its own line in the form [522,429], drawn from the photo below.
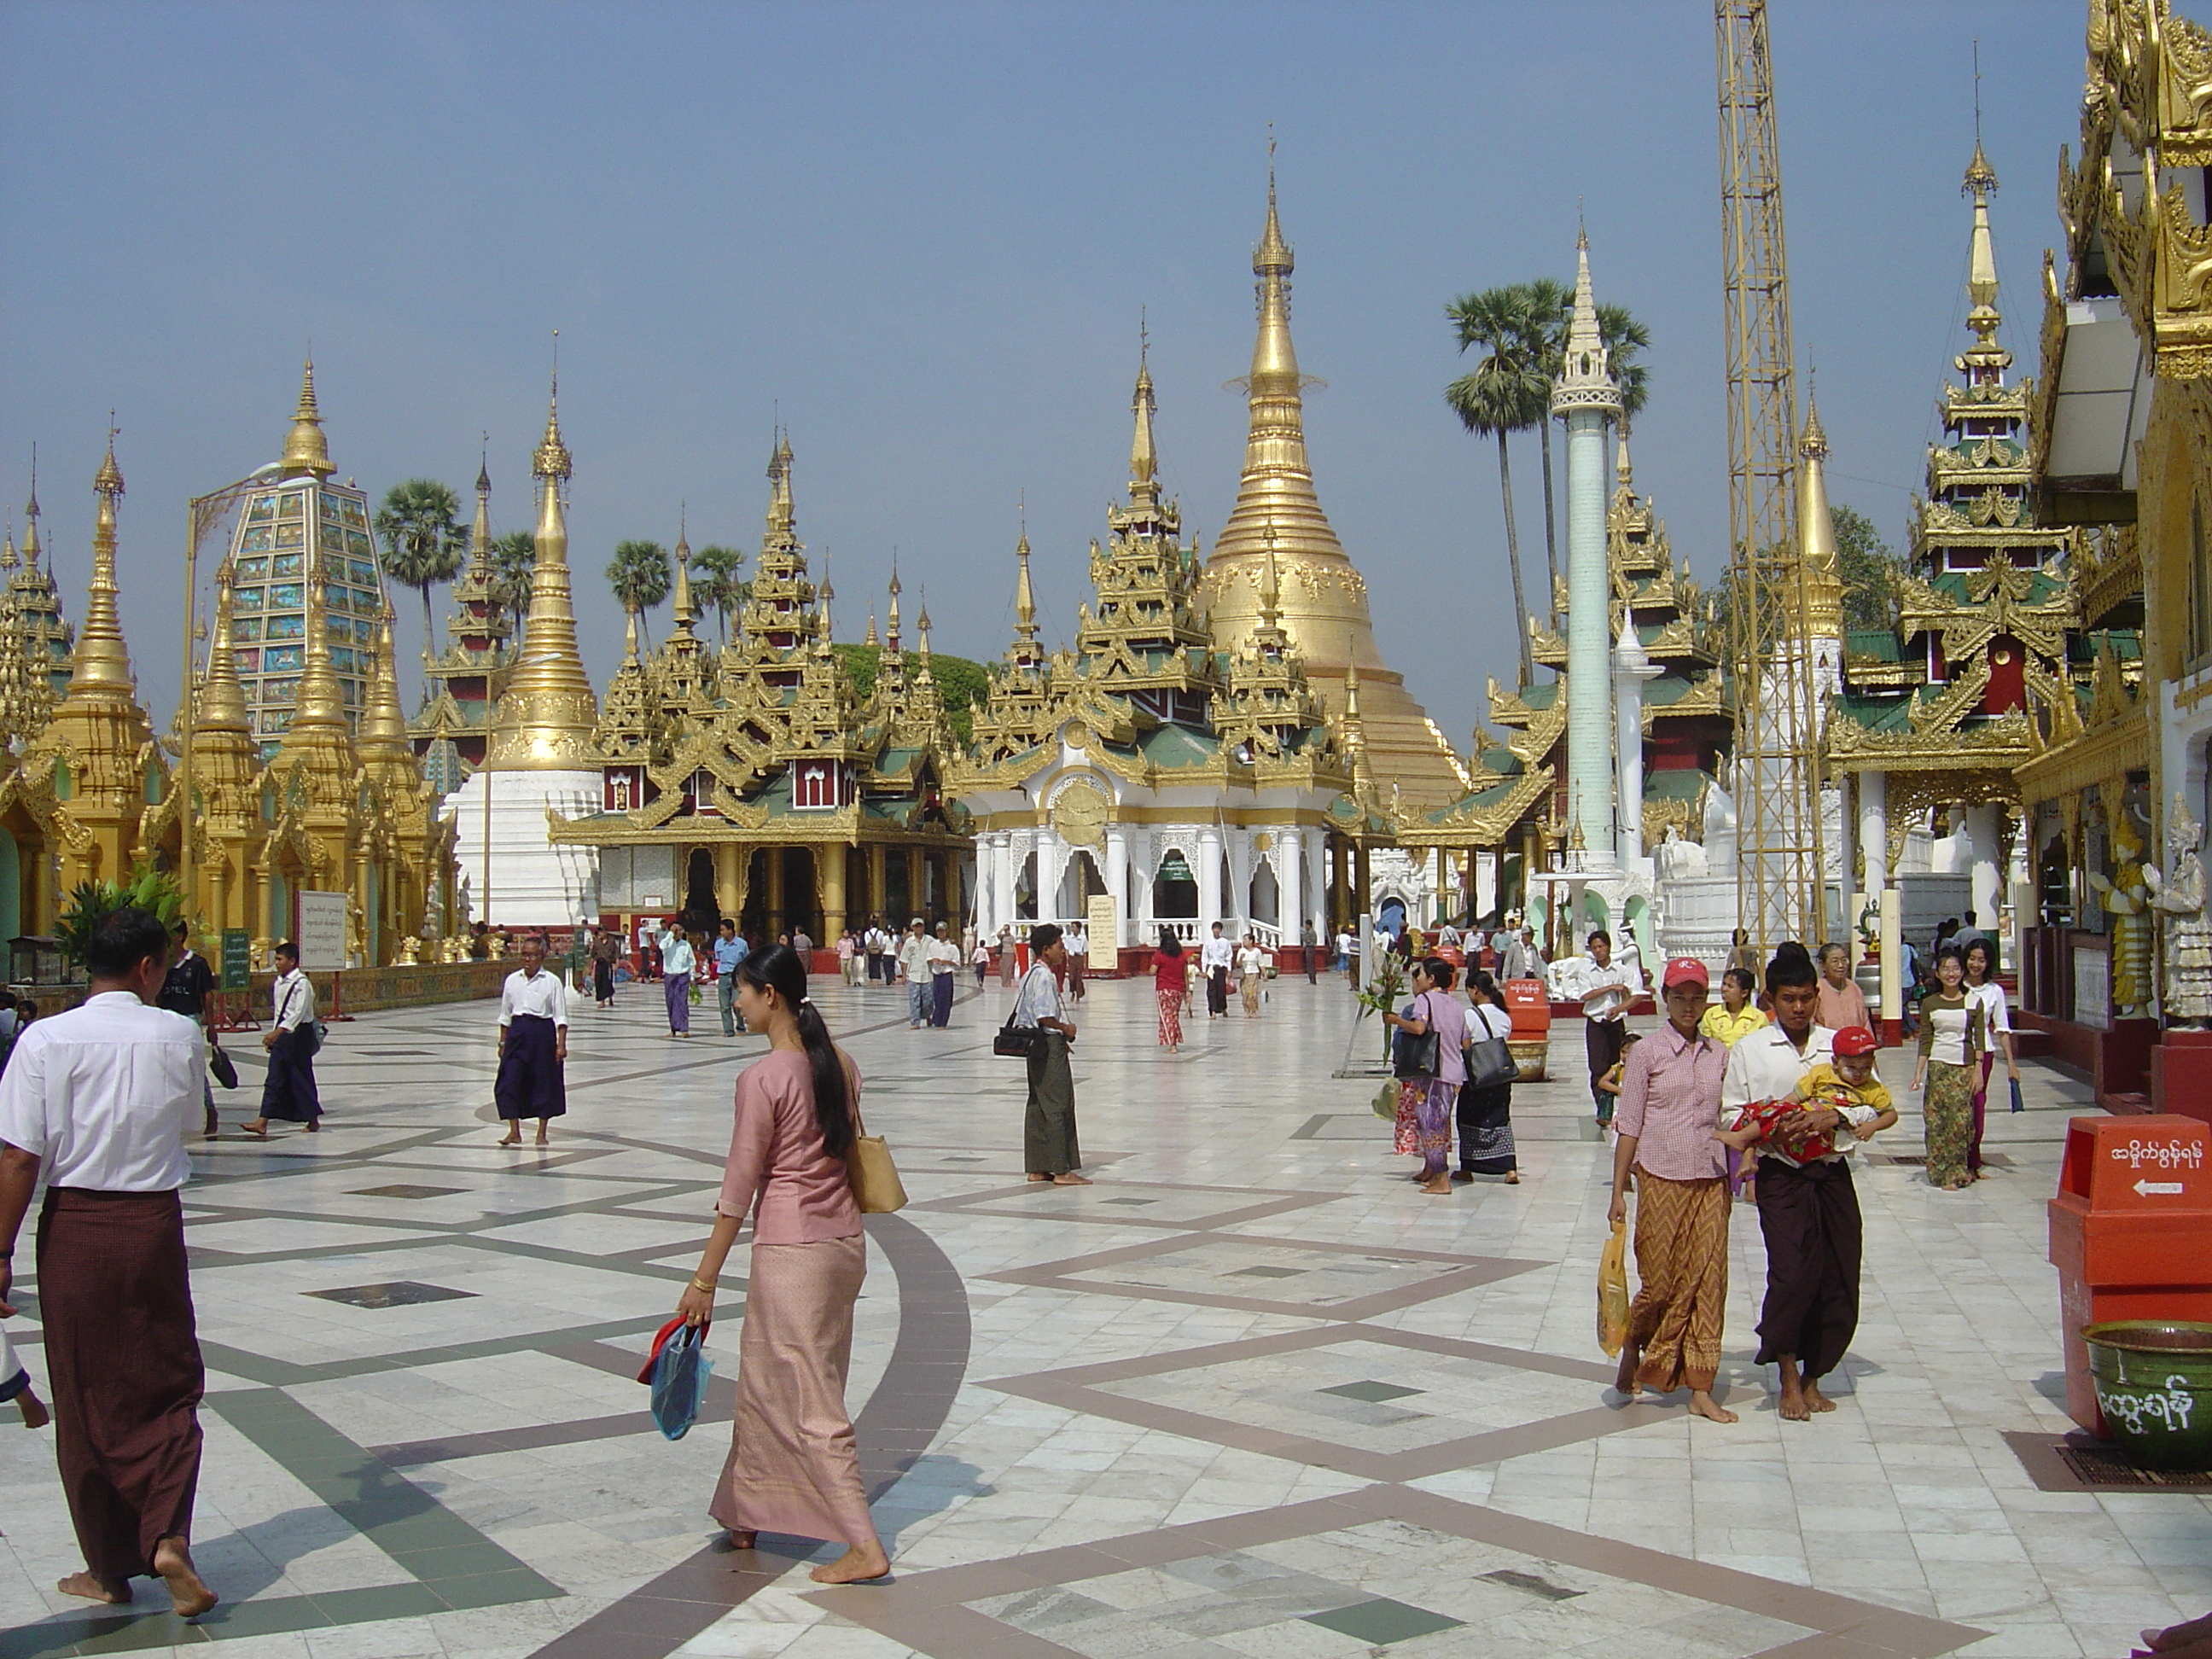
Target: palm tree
[1507,393]
[639,574]
[714,581]
[420,525]
[1550,306]
[513,564]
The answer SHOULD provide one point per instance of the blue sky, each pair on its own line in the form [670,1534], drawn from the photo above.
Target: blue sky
[923,236]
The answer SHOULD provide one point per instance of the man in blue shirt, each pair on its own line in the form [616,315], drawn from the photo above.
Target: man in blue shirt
[729,951]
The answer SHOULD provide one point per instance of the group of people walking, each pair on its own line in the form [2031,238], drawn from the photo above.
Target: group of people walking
[1442,1093]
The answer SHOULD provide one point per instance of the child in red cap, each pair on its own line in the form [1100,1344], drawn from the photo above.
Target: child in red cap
[1848,1085]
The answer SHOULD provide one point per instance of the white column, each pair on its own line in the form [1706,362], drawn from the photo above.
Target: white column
[1631,668]
[1290,887]
[1314,843]
[1893,955]
[1982,826]
[1209,879]
[1874,828]
[1117,881]
[1003,851]
[1847,820]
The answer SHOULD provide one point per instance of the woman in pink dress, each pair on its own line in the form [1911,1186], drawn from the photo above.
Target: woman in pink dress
[793,1466]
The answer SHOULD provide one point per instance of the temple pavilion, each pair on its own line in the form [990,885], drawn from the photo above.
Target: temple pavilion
[1185,771]
[752,781]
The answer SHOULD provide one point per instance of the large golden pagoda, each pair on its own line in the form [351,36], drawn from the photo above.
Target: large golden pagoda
[1323,599]
[545,716]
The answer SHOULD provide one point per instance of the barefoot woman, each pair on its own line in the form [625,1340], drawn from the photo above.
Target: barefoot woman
[793,1466]
[1670,1104]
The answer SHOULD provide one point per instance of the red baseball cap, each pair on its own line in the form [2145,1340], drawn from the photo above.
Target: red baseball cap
[1854,1040]
[1686,970]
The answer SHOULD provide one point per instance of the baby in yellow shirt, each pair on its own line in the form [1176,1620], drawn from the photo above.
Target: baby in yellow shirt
[1847,1084]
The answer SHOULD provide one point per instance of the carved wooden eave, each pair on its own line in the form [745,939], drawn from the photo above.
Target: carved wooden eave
[33,792]
[1466,825]
[1506,707]
[1546,646]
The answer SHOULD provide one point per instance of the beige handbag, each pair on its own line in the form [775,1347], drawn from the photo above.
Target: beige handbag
[868,1166]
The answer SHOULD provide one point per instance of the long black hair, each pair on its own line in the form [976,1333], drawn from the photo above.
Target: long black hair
[777,968]
[1170,944]
[1478,979]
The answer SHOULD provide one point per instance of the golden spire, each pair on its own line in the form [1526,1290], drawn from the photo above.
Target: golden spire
[546,714]
[1981,260]
[305,450]
[1025,595]
[1322,599]
[383,731]
[685,612]
[781,517]
[1144,458]
[1817,556]
[922,624]
[31,515]
[825,594]
[8,559]
[1355,737]
[891,620]
[223,699]
[102,664]
[630,649]
[480,528]
[318,716]
[873,640]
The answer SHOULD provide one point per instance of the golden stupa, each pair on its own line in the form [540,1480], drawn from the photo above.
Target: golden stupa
[1322,605]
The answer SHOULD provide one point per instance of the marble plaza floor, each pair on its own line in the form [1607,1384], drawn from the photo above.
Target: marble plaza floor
[1249,1395]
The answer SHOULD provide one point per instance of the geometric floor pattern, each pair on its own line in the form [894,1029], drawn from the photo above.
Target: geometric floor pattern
[1250,1394]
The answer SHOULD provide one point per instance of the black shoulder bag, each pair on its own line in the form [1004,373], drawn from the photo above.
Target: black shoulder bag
[1415,1056]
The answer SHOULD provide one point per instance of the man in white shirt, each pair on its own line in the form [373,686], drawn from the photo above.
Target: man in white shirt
[1607,993]
[1215,958]
[877,943]
[1049,1150]
[100,1099]
[914,969]
[1344,949]
[677,962]
[288,1092]
[944,958]
[533,1046]
[1809,1213]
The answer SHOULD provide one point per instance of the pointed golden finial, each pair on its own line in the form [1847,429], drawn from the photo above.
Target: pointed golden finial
[629,649]
[31,516]
[1820,561]
[101,666]
[108,481]
[1272,257]
[922,624]
[552,459]
[320,712]
[305,450]
[872,639]
[1025,595]
[8,559]
[383,732]
[892,616]
[823,595]
[1144,457]
[685,612]
[222,699]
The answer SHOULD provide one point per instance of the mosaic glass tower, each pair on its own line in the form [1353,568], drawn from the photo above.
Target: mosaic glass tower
[302,529]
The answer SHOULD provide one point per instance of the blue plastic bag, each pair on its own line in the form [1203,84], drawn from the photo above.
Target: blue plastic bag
[2018,1105]
[680,1370]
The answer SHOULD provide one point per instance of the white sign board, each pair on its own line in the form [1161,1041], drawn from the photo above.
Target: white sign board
[322,936]
[1103,924]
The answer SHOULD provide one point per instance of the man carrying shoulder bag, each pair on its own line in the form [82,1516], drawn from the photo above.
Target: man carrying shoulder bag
[1048,1145]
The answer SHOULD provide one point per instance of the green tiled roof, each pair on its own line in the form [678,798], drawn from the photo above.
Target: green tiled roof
[1173,746]
[1675,783]
[1880,643]
[1541,697]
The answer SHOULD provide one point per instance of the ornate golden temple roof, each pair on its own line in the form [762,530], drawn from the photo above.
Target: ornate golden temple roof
[1323,598]
[36,642]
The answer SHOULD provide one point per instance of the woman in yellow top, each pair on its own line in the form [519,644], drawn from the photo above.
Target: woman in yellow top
[1734,1016]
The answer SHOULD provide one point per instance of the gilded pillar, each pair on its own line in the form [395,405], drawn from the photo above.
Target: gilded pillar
[1361,907]
[830,863]
[729,878]
[917,883]
[879,897]
[775,919]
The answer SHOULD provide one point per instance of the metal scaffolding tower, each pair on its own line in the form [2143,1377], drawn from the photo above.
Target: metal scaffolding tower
[1776,711]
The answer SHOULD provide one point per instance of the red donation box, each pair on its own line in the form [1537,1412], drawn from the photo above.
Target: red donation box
[1531,1008]
[2130,1233]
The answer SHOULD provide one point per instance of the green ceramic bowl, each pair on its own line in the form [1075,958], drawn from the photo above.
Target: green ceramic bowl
[2154,1379]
